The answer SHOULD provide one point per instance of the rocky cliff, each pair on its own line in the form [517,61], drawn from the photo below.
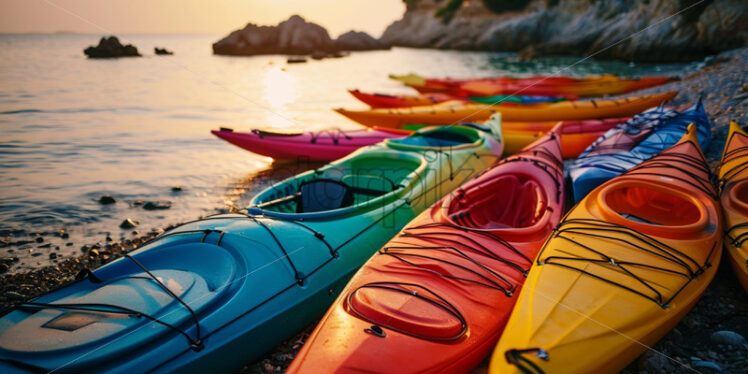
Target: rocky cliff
[294,36]
[634,30]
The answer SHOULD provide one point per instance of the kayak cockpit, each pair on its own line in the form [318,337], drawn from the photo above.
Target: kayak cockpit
[360,181]
[510,201]
[651,208]
[438,137]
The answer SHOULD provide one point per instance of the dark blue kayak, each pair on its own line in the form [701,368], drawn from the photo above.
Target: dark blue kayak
[665,128]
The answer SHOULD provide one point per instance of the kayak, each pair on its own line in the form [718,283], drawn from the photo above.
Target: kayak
[451,112]
[622,268]
[328,145]
[533,86]
[376,100]
[659,128]
[575,136]
[437,296]
[733,181]
[605,85]
[212,295]
[322,145]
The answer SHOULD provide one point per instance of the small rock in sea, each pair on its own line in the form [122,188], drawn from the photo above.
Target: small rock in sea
[128,223]
[52,256]
[744,88]
[39,239]
[111,47]
[176,188]
[4,267]
[106,200]
[69,244]
[12,295]
[727,337]
[157,205]
[135,232]
[109,238]
[93,253]
[138,202]
[36,254]
[162,51]
[64,234]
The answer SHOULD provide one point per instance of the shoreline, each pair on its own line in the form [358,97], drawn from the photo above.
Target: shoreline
[723,85]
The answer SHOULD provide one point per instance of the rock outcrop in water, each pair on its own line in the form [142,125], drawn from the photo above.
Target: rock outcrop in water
[294,36]
[633,30]
[111,47]
[162,51]
[359,41]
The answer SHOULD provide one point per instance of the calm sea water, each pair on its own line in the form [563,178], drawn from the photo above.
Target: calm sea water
[73,129]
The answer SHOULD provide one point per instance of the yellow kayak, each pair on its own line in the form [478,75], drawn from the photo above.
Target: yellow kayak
[451,112]
[622,268]
[733,178]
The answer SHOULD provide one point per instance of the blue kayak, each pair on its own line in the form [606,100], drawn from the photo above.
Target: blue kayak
[632,143]
[215,294]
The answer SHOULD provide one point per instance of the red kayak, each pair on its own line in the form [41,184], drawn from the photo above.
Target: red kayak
[437,296]
[534,86]
[378,100]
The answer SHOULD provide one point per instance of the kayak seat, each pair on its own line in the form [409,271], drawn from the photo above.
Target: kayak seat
[506,202]
[366,186]
[437,138]
[647,205]
[323,194]
[263,133]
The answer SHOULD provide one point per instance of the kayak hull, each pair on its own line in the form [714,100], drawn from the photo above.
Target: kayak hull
[534,86]
[325,145]
[456,112]
[405,101]
[734,184]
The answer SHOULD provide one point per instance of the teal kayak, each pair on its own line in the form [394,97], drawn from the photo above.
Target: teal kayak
[214,294]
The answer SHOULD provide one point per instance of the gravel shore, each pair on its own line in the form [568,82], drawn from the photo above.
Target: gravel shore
[694,344]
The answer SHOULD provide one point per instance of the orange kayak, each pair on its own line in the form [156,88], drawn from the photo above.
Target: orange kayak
[575,136]
[455,112]
[622,268]
[733,180]
[598,87]
[437,296]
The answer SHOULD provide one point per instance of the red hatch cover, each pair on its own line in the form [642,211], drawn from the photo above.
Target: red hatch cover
[414,312]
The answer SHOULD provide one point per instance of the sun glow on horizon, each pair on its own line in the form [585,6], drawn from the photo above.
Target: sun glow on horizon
[192,16]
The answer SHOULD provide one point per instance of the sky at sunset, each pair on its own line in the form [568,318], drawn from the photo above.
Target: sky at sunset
[191,16]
